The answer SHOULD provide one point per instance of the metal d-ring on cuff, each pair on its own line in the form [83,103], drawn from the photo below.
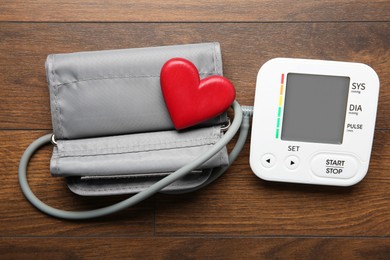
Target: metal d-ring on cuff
[225,127]
[53,140]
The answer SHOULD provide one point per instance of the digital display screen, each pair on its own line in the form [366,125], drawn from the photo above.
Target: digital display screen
[315,108]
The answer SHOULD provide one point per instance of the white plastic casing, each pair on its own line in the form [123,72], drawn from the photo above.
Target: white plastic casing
[342,164]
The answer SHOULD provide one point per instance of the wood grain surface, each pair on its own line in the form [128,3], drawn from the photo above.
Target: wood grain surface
[237,217]
[194,11]
[193,248]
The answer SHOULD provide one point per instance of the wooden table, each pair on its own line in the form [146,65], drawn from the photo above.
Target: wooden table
[238,216]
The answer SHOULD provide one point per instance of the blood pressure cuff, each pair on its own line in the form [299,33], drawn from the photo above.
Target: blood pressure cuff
[112,129]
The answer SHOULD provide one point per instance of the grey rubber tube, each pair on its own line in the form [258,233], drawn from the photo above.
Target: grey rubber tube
[76,215]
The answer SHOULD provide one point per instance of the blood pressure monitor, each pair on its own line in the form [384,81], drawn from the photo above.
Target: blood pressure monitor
[313,121]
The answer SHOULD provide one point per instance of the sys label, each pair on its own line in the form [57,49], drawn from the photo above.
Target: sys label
[358,86]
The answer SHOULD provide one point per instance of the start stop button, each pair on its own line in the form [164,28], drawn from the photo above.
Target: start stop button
[340,166]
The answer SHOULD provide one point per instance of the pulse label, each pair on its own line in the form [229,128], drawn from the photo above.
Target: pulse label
[354,127]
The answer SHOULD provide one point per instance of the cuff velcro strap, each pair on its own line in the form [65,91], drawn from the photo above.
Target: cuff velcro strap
[144,153]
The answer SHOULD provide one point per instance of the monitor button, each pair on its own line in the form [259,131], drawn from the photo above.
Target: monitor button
[339,166]
[268,160]
[292,162]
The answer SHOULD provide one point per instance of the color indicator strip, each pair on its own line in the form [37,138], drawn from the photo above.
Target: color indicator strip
[280,107]
[280,101]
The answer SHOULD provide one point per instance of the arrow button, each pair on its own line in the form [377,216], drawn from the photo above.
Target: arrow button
[268,160]
[292,162]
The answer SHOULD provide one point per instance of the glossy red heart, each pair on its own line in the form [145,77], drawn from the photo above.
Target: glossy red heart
[190,100]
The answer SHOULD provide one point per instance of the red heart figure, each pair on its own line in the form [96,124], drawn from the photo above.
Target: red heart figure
[190,100]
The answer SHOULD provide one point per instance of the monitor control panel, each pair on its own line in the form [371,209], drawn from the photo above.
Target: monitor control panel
[313,121]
